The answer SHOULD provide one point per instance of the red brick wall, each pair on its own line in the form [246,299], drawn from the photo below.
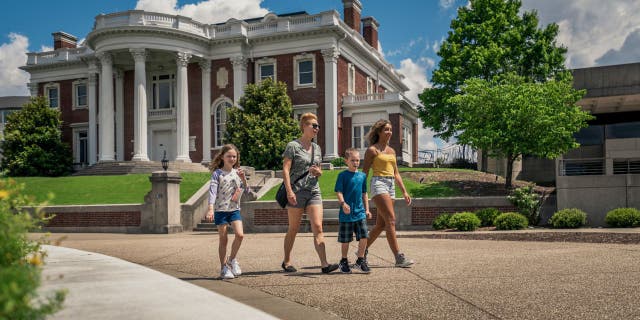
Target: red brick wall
[426,215]
[346,133]
[396,137]
[194,76]
[128,110]
[344,130]
[96,219]
[59,44]
[370,35]
[262,217]
[352,18]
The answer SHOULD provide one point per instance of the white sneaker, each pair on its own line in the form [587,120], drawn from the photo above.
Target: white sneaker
[226,273]
[235,267]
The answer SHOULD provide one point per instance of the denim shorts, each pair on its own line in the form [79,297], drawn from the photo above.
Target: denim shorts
[382,185]
[347,229]
[224,217]
[306,198]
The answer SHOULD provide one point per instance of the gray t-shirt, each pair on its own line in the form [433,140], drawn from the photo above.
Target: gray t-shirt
[301,163]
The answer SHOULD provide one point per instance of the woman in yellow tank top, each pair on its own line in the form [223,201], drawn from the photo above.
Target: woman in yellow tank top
[381,158]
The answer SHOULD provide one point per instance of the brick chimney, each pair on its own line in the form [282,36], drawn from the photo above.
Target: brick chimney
[370,31]
[64,40]
[352,9]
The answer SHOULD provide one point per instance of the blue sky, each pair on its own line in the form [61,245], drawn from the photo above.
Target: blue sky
[596,32]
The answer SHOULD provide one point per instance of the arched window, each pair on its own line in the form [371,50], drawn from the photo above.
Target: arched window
[220,114]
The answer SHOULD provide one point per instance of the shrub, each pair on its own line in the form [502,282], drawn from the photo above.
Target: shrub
[510,221]
[623,218]
[339,162]
[441,221]
[487,215]
[568,218]
[528,203]
[21,259]
[464,221]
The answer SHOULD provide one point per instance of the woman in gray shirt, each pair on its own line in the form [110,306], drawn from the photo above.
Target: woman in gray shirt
[304,194]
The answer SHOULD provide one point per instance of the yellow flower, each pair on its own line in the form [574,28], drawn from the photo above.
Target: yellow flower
[3,194]
[36,260]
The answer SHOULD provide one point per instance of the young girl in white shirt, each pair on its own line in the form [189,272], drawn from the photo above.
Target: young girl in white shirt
[225,190]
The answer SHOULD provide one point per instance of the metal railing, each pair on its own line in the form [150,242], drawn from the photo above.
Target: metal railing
[581,167]
[626,166]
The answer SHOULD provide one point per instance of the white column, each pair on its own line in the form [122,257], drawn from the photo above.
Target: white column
[33,88]
[140,106]
[330,56]
[182,115]
[119,115]
[92,98]
[205,67]
[239,77]
[106,108]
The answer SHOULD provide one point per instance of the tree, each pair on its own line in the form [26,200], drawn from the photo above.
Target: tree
[33,142]
[263,125]
[486,39]
[509,117]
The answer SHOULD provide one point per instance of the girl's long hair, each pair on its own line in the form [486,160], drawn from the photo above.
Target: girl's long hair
[374,134]
[218,161]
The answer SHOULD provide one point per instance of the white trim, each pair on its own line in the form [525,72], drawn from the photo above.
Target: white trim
[351,78]
[45,92]
[300,109]
[296,72]
[370,86]
[214,108]
[265,61]
[77,128]
[75,85]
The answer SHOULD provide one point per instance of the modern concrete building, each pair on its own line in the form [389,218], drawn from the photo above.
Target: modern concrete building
[604,173]
[144,83]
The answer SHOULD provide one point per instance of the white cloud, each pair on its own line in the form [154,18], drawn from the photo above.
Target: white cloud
[446,4]
[628,53]
[44,48]
[208,11]
[13,81]
[591,28]
[415,77]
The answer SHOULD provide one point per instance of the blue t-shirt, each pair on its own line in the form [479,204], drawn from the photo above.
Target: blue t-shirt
[352,185]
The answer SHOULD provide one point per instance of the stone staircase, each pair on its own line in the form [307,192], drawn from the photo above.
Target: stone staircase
[129,167]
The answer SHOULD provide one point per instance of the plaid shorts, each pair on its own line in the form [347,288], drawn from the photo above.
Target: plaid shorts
[347,229]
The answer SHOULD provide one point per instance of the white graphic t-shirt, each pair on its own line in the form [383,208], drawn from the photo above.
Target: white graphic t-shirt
[223,185]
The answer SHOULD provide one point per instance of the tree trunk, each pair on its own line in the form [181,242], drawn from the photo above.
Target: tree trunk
[509,174]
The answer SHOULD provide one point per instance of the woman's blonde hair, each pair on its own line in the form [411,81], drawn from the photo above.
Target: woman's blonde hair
[305,118]
[218,161]
[374,134]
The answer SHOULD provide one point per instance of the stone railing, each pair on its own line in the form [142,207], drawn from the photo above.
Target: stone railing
[65,54]
[230,28]
[378,97]
[161,113]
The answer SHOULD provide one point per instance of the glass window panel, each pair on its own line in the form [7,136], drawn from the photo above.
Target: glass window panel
[53,97]
[305,70]
[590,136]
[266,71]
[81,95]
[164,95]
[366,132]
[623,130]
[356,137]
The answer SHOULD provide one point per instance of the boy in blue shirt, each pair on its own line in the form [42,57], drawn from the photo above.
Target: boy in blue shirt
[351,188]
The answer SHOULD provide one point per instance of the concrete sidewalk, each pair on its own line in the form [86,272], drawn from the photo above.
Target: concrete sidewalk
[452,279]
[103,287]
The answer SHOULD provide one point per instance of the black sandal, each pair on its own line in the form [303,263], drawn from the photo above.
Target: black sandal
[288,268]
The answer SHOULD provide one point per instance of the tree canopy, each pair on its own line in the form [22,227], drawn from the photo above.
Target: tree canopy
[33,142]
[488,38]
[263,124]
[508,117]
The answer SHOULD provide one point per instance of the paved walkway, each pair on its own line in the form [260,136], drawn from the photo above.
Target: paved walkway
[453,279]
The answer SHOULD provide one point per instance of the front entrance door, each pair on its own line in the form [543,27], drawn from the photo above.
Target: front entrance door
[163,141]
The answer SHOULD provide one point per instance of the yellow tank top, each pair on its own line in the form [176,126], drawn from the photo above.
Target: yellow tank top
[383,164]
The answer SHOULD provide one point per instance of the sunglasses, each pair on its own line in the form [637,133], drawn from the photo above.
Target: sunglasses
[315,126]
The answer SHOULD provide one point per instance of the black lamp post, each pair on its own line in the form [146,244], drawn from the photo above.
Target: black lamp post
[165,162]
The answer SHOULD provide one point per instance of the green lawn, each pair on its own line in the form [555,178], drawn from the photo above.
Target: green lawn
[121,189]
[415,189]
